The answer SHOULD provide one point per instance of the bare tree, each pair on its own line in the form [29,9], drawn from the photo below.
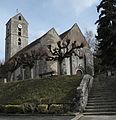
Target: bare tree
[29,60]
[63,50]
[25,60]
[1,62]
[90,37]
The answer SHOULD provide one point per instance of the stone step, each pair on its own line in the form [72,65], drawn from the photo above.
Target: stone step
[105,81]
[103,84]
[101,110]
[103,87]
[99,113]
[101,103]
[100,106]
[104,95]
[101,100]
[100,95]
[103,92]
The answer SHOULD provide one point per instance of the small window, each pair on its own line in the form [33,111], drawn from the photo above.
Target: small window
[19,29]
[19,41]
[19,33]
[19,17]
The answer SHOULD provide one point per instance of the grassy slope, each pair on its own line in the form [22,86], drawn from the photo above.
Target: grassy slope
[48,90]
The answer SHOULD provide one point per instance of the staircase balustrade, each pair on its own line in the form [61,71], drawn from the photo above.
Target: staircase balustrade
[83,91]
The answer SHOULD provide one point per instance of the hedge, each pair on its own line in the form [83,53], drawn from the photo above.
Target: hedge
[13,109]
[56,109]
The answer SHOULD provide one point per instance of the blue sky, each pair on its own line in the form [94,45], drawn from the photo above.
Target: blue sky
[42,15]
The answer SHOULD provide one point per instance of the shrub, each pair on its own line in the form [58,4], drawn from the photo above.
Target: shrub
[56,109]
[66,107]
[46,100]
[35,101]
[13,109]
[29,107]
[2,108]
[43,108]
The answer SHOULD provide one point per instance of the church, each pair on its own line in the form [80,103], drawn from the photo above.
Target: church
[16,43]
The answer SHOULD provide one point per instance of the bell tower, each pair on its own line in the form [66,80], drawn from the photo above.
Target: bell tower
[16,35]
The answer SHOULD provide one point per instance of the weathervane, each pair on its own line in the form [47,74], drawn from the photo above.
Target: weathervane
[17,11]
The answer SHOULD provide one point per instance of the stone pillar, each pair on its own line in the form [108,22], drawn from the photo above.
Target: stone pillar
[71,65]
[67,60]
[23,73]
[5,80]
[32,76]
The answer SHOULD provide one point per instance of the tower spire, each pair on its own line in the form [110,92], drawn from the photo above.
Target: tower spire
[17,11]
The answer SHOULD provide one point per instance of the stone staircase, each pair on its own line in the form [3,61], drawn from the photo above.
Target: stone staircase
[102,97]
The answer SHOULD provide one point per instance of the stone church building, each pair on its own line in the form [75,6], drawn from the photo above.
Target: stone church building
[16,42]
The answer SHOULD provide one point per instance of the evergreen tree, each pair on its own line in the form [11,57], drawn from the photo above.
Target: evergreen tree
[106,32]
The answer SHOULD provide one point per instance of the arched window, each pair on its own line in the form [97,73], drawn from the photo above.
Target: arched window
[79,72]
[19,31]
[19,17]
[19,41]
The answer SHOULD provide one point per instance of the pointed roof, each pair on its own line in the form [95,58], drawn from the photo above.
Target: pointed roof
[16,16]
[66,32]
[34,43]
[74,34]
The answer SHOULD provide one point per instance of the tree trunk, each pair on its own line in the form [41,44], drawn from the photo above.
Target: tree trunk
[10,76]
[60,67]
[85,66]
[32,76]
[5,80]
[23,73]
[70,65]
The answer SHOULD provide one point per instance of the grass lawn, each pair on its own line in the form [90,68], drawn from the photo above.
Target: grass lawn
[56,89]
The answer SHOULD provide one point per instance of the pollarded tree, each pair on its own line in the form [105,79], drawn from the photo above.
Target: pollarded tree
[62,51]
[25,60]
[29,59]
[106,32]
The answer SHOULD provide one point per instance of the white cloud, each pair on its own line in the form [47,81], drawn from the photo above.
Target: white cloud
[81,5]
[76,6]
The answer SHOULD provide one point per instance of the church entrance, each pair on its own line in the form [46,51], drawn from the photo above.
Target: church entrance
[79,72]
